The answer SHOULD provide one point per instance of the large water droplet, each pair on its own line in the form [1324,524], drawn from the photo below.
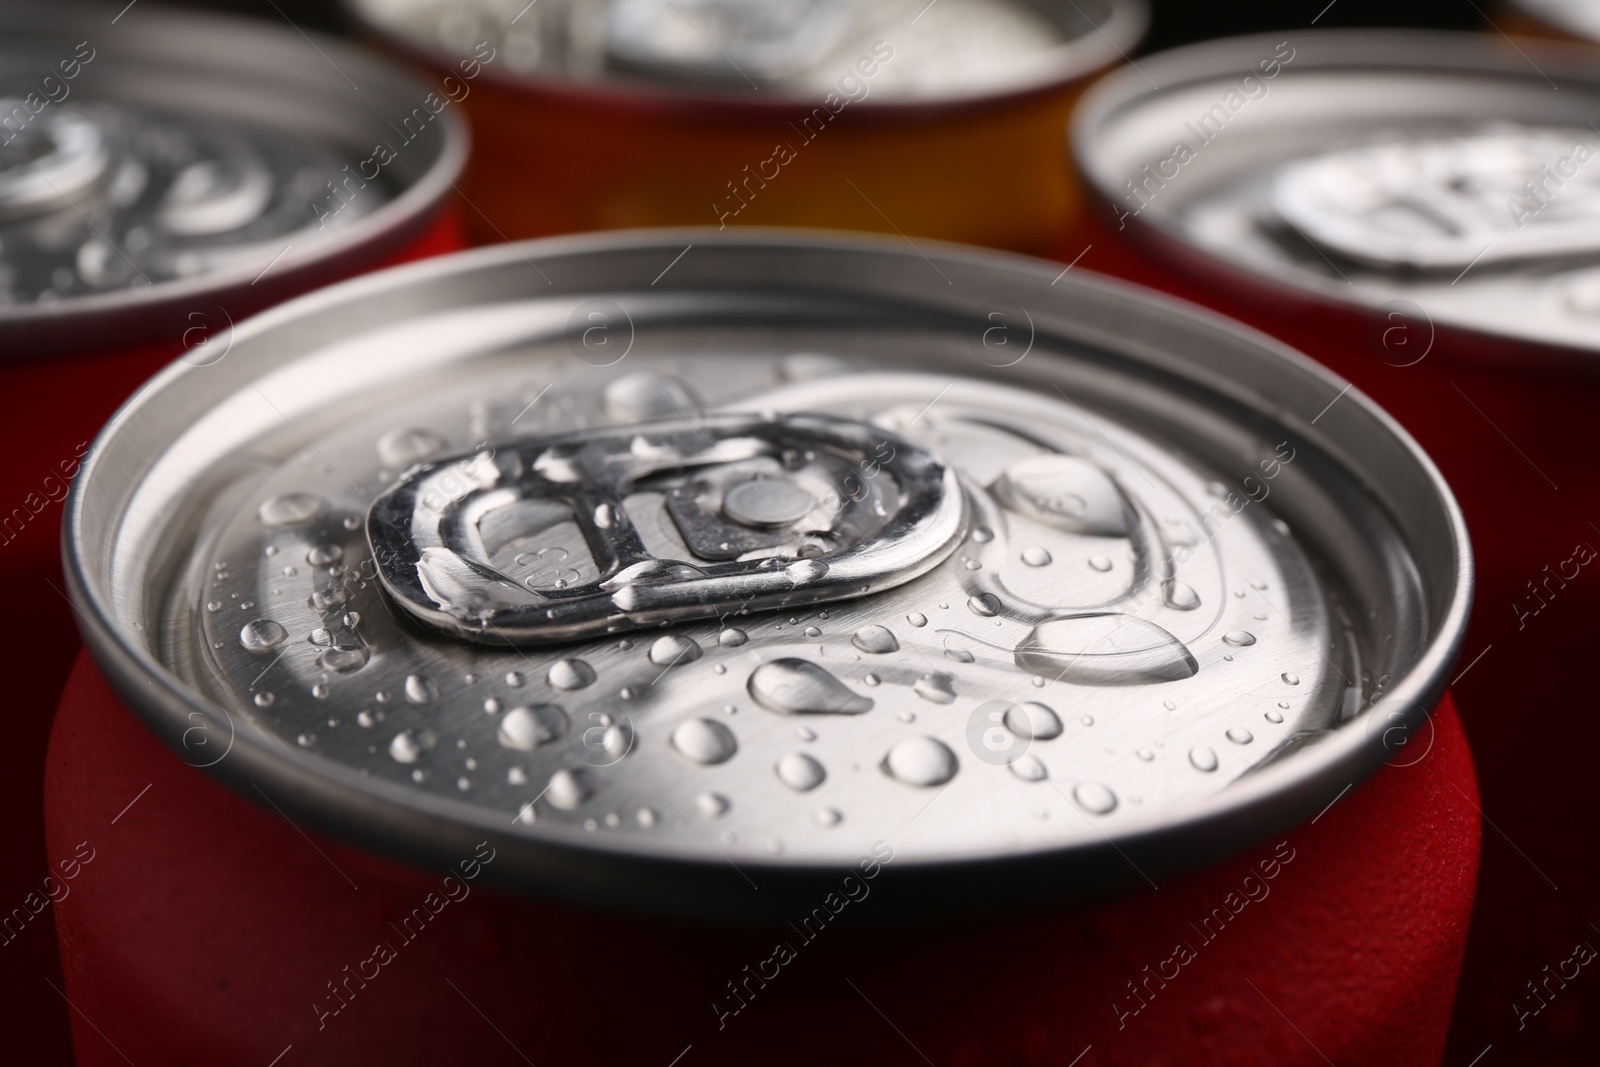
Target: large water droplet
[923,761]
[1094,798]
[642,397]
[570,674]
[1036,556]
[1105,649]
[262,635]
[960,655]
[984,604]
[1100,563]
[1238,638]
[1291,678]
[420,689]
[704,741]
[1274,716]
[795,686]
[917,618]
[1203,758]
[805,570]
[712,804]
[1033,721]
[800,772]
[1240,736]
[344,660]
[732,637]
[1179,595]
[407,746]
[569,788]
[1066,492]
[875,639]
[939,688]
[290,509]
[531,725]
[673,649]
[401,448]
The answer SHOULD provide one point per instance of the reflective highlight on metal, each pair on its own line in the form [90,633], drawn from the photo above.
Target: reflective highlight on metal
[1167,609]
[762,505]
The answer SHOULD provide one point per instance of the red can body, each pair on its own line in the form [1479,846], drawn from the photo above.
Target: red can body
[60,401]
[200,927]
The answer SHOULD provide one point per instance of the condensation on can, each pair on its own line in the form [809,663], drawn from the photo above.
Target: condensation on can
[933,120]
[972,617]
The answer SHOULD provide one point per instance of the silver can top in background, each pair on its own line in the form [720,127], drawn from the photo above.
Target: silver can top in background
[670,580]
[162,162]
[763,51]
[1442,169]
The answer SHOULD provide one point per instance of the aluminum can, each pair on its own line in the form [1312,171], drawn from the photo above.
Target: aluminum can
[1416,210]
[937,120]
[159,179]
[1570,20]
[655,618]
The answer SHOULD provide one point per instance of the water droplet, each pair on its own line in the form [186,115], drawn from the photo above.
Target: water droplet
[569,788]
[1240,736]
[290,509]
[526,816]
[1100,563]
[1105,649]
[982,534]
[1178,595]
[797,686]
[800,772]
[262,635]
[917,618]
[827,816]
[531,725]
[264,700]
[939,688]
[813,631]
[1274,716]
[352,619]
[1094,798]
[1239,638]
[876,640]
[568,674]
[704,741]
[922,761]
[327,599]
[674,649]
[214,605]
[401,448]
[1033,721]
[320,691]
[1036,556]
[1291,678]
[806,570]
[514,679]
[732,638]
[305,740]
[712,804]
[642,397]
[1029,769]
[407,746]
[646,817]
[322,555]
[421,689]
[1066,492]
[984,604]
[1145,754]
[870,679]
[344,660]
[1203,758]
[960,655]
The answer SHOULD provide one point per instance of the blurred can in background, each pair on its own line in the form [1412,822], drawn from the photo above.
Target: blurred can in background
[790,649]
[1421,212]
[938,120]
[1572,20]
[161,176]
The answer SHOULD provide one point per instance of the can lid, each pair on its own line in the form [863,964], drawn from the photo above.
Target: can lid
[194,166]
[671,585]
[764,52]
[1369,167]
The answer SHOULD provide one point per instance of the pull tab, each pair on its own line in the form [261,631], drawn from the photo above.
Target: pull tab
[546,539]
[725,40]
[1443,204]
[49,162]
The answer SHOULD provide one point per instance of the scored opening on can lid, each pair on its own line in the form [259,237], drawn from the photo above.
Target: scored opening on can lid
[189,159]
[764,52]
[675,584]
[1368,167]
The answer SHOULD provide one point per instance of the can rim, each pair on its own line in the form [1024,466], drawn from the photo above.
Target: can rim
[127,316]
[1401,51]
[1270,799]
[1125,26]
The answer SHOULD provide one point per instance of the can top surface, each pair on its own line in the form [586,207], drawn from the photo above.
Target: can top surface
[1445,171]
[766,52]
[676,574]
[172,160]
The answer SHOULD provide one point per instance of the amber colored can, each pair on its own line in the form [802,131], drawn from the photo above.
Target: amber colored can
[159,174]
[936,120]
